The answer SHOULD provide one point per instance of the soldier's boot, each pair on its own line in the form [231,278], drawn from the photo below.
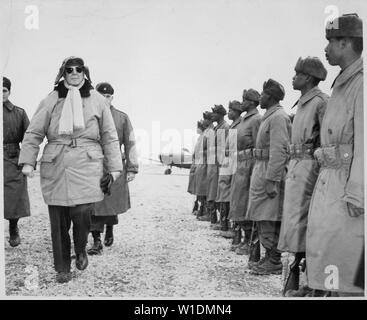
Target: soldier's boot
[195,209]
[14,238]
[254,255]
[63,277]
[215,224]
[292,281]
[301,292]
[206,211]
[213,213]
[201,210]
[272,265]
[81,261]
[97,244]
[244,248]
[226,230]
[236,240]
[108,238]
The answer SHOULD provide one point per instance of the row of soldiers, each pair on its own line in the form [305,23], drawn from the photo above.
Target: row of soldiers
[292,184]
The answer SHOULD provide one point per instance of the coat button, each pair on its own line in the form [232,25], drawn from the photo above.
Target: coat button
[330,131]
[346,155]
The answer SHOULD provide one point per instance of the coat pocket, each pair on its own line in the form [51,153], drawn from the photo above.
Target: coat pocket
[95,158]
[48,165]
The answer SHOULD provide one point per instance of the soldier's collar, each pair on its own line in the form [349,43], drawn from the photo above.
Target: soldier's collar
[271,110]
[8,105]
[350,71]
[250,113]
[309,95]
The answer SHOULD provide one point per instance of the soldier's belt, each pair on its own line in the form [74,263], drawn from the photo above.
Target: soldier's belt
[74,142]
[301,151]
[261,154]
[334,156]
[244,155]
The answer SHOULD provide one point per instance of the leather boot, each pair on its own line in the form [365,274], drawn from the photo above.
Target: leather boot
[14,238]
[201,211]
[108,238]
[244,248]
[81,261]
[213,213]
[196,207]
[254,255]
[236,240]
[206,212]
[97,244]
[292,281]
[63,277]
[272,265]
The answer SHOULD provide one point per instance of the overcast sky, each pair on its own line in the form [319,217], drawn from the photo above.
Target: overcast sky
[168,60]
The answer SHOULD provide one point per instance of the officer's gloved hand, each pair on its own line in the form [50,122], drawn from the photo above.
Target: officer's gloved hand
[271,188]
[354,211]
[106,183]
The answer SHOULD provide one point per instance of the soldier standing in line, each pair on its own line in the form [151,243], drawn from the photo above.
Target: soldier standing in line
[267,180]
[117,200]
[201,179]
[303,168]
[226,170]
[192,181]
[220,135]
[246,137]
[335,231]
[16,200]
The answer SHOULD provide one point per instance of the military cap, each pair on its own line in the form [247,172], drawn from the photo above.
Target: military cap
[252,95]
[104,88]
[219,109]
[274,89]
[200,125]
[347,25]
[311,66]
[6,83]
[207,115]
[72,61]
[244,93]
[235,105]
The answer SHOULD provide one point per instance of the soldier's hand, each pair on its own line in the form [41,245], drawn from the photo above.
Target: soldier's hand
[130,176]
[354,211]
[271,188]
[106,183]
[28,170]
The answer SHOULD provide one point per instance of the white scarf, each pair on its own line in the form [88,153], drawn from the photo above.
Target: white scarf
[72,112]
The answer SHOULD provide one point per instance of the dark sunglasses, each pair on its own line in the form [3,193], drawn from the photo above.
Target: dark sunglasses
[77,69]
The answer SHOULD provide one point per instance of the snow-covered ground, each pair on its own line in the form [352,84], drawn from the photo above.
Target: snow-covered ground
[160,251]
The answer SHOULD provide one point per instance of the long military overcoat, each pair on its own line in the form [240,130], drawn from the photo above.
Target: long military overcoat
[335,239]
[302,172]
[16,200]
[215,155]
[201,180]
[72,166]
[246,138]
[226,168]
[119,199]
[274,136]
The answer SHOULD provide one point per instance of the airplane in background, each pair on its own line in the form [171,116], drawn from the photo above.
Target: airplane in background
[181,160]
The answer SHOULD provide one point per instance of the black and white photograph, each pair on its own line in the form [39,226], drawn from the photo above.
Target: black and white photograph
[170,149]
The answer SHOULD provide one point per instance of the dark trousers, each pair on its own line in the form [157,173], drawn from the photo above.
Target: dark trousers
[60,219]
[269,233]
[98,222]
